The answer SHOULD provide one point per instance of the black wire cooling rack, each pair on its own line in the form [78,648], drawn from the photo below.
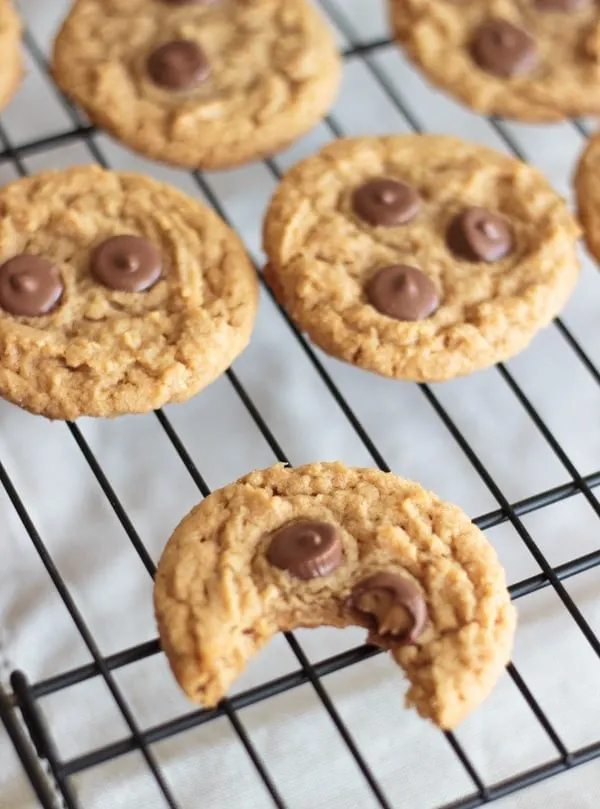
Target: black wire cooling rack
[33,738]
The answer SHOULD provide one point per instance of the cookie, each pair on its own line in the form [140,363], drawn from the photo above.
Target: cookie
[199,84]
[10,45]
[324,544]
[118,294]
[530,60]
[587,177]
[419,257]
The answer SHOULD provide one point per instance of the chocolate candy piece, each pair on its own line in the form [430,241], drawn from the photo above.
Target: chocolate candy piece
[127,263]
[29,285]
[561,5]
[503,49]
[402,292]
[387,598]
[306,549]
[178,65]
[386,203]
[477,234]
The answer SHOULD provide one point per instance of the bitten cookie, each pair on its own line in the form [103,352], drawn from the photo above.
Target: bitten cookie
[531,60]
[327,545]
[10,45]
[587,182]
[419,257]
[118,294]
[199,83]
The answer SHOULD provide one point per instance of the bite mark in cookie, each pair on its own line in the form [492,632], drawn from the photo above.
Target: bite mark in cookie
[327,545]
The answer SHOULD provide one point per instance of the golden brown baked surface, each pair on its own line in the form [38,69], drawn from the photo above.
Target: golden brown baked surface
[274,72]
[101,351]
[10,43]
[587,187]
[219,598]
[438,35]
[321,255]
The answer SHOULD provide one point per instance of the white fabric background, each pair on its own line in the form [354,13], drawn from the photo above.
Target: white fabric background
[307,759]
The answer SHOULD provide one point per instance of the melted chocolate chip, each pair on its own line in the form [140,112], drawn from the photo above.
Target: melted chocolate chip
[178,65]
[386,598]
[501,48]
[29,285]
[306,549]
[386,203]
[402,292]
[477,234]
[127,263]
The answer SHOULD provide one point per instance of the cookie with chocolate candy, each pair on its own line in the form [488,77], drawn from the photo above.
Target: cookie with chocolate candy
[202,84]
[419,257]
[530,60]
[327,545]
[118,294]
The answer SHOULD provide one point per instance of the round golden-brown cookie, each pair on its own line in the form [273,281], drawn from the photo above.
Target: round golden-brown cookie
[10,45]
[587,187]
[531,60]
[196,84]
[334,228]
[329,545]
[118,294]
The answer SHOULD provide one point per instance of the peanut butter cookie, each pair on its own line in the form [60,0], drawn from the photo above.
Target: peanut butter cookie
[327,545]
[118,294]
[419,257]
[195,83]
[531,60]
[10,45]
[587,180]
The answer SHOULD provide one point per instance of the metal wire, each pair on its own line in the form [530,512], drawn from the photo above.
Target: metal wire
[25,697]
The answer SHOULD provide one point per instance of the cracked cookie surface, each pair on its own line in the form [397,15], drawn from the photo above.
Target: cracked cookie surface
[464,313]
[10,43]
[224,585]
[98,350]
[553,67]
[266,72]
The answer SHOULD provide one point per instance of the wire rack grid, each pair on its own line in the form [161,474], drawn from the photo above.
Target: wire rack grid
[52,776]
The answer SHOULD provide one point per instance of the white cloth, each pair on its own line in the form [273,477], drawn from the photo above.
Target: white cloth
[305,755]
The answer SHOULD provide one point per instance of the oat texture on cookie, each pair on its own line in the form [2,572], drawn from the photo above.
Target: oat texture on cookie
[531,60]
[419,257]
[118,294]
[10,43]
[197,84]
[325,544]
